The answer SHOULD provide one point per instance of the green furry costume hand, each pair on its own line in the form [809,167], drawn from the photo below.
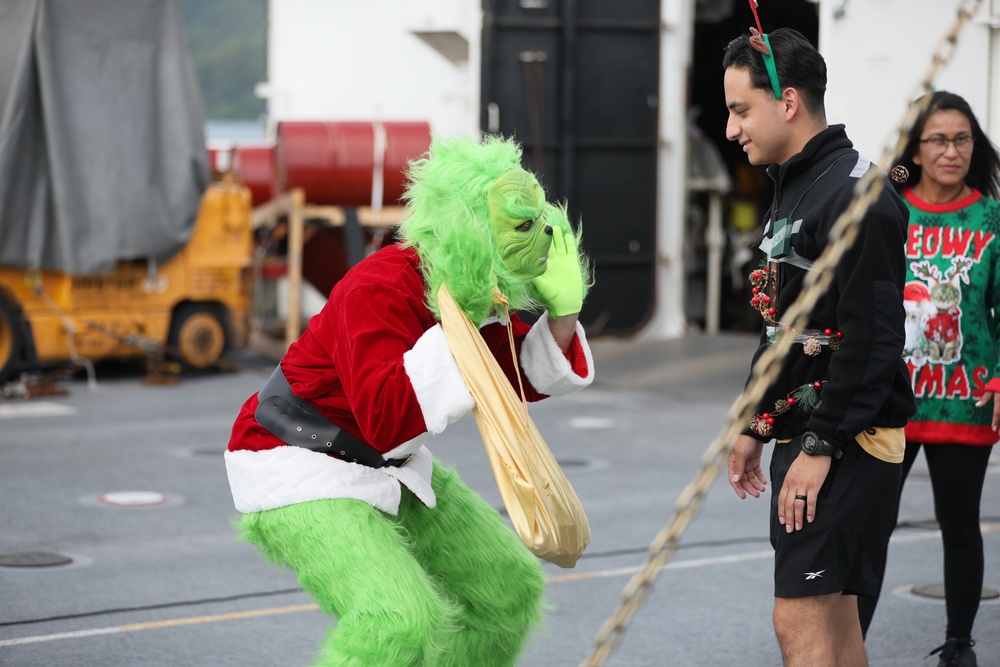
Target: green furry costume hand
[561,286]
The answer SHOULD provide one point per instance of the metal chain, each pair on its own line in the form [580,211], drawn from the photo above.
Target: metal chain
[768,366]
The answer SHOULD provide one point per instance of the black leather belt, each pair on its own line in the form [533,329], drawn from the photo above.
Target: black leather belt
[296,422]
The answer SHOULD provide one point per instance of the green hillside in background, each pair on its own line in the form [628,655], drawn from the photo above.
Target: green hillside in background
[228,44]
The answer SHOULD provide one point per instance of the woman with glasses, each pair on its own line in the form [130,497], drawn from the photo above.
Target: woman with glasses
[949,178]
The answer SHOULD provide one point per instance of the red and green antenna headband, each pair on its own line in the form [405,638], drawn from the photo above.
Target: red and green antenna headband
[760,43]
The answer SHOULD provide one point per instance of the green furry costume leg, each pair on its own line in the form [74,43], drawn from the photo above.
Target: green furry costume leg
[438,587]
[465,545]
[356,564]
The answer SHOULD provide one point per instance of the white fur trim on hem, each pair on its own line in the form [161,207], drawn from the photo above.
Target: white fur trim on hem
[288,475]
[545,365]
[441,392]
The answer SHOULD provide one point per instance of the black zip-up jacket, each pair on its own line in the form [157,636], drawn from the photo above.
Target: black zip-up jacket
[865,382]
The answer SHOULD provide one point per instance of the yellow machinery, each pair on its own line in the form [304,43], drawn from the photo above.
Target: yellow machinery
[190,309]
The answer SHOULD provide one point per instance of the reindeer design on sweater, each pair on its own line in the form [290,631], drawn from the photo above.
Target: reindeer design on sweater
[943,330]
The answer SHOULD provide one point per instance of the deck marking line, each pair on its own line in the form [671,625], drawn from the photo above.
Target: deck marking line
[555,579]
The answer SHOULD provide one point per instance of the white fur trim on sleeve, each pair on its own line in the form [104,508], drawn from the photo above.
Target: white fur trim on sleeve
[441,392]
[545,365]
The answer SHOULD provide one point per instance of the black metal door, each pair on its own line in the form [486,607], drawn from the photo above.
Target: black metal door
[576,83]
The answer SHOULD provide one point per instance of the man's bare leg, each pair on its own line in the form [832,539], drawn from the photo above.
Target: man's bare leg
[819,631]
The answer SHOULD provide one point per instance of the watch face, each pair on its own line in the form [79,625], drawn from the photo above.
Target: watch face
[810,443]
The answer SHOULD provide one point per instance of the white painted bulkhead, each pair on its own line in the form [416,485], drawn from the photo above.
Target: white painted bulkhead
[878,51]
[344,60]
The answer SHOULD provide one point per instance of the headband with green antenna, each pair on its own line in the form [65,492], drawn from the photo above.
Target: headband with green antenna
[761,44]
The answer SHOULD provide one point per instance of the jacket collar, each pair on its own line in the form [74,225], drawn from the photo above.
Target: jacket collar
[833,138]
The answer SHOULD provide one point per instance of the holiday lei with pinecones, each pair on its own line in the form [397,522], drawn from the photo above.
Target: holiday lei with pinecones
[805,398]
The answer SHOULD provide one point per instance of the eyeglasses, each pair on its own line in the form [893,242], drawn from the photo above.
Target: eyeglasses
[963,143]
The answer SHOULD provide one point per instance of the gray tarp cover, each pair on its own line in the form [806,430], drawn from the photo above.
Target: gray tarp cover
[102,146]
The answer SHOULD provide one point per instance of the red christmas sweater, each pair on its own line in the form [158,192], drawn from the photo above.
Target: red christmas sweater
[375,361]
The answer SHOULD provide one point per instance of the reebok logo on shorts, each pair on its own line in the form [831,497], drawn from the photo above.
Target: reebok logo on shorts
[814,575]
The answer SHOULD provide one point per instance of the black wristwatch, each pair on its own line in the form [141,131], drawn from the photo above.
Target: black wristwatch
[813,445]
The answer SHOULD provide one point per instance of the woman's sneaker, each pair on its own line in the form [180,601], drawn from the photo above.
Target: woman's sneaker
[956,653]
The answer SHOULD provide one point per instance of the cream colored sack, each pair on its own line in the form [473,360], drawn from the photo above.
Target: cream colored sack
[542,505]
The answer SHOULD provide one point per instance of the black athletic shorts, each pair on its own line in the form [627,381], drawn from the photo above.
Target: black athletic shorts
[844,549]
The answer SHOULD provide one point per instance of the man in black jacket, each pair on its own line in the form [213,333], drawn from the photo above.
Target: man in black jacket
[838,407]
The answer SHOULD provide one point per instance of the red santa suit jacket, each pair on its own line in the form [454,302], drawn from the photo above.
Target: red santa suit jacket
[375,361]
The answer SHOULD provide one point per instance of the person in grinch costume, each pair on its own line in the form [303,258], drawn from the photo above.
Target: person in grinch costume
[327,463]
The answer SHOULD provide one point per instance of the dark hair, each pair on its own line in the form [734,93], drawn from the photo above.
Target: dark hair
[984,170]
[799,65]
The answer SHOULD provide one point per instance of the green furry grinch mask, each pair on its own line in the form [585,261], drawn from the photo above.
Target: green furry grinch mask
[478,220]
[516,204]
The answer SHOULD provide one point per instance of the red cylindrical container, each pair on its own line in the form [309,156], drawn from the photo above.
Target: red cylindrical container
[255,166]
[219,158]
[336,163]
